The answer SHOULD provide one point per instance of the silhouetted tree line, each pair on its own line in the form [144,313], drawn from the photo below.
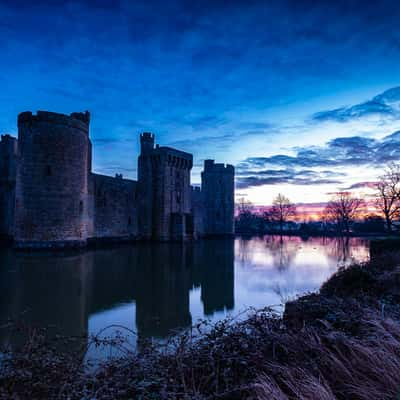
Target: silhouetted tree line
[277,220]
[345,213]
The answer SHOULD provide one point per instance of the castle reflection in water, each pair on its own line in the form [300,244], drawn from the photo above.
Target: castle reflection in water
[64,290]
[156,288]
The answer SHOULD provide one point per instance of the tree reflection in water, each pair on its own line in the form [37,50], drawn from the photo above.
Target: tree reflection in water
[157,288]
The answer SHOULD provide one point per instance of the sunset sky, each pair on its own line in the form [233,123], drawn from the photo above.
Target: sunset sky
[303,97]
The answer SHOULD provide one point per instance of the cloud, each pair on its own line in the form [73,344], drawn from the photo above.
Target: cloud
[218,141]
[308,165]
[223,134]
[255,126]
[196,73]
[361,185]
[342,151]
[107,140]
[393,137]
[204,121]
[384,105]
[117,168]
[251,181]
[248,178]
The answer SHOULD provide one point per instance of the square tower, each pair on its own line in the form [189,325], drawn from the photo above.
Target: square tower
[165,192]
[217,186]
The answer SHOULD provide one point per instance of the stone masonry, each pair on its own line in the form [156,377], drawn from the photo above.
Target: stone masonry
[8,167]
[217,188]
[49,196]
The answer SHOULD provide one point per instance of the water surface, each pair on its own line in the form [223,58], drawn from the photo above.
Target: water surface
[155,289]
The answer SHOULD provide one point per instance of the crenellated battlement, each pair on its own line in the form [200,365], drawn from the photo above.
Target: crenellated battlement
[211,166]
[8,145]
[147,136]
[85,117]
[172,157]
[52,179]
[76,120]
[7,138]
[46,179]
[146,143]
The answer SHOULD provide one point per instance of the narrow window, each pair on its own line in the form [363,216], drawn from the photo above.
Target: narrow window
[81,207]
[48,170]
[129,221]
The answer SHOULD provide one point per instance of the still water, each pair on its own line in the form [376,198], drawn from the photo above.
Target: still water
[155,289]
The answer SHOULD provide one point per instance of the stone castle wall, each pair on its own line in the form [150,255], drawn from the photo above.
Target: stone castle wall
[114,210]
[171,193]
[52,179]
[197,210]
[145,186]
[8,172]
[165,193]
[46,179]
[218,198]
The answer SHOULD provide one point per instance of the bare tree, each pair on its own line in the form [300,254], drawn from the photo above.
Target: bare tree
[342,210]
[282,210]
[245,217]
[388,195]
[244,206]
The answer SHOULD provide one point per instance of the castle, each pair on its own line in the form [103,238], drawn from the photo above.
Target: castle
[49,196]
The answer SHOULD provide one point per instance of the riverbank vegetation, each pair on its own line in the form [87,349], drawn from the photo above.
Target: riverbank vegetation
[340,343]
[376,212]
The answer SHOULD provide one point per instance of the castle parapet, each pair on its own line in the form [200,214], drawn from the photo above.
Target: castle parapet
[172,157]
[211,166]
[147,136]
[8,147]
[52,179]
[8,139]
[76,120]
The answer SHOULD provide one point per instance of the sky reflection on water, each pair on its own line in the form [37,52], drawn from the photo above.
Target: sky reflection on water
[154,289]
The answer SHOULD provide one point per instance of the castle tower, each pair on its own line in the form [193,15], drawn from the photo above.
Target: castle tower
[164,191]
[145,185]
[172,194]
[52,179]
[217,186]
[8,167]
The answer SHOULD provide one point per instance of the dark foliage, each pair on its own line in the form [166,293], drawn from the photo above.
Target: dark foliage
[342,343]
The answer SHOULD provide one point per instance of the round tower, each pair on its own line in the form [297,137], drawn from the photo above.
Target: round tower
[52,179]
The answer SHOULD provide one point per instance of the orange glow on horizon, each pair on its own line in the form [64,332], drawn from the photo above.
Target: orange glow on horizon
[314,212]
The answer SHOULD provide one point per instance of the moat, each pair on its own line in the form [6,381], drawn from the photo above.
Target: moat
[155,289]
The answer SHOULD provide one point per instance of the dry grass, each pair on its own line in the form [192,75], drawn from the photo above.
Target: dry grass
[336,345]
[333,365]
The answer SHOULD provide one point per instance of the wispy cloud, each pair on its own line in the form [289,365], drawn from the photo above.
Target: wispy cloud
[250,178]
[208,77]
[361,185]
[339,152]
[228,133]
[385,105]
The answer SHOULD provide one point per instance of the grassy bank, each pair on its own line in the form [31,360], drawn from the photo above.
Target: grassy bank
[342,343]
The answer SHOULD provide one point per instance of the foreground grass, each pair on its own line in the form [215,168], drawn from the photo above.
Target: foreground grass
[342,343]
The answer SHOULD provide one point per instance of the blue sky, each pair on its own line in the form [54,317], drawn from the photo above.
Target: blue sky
[300,95]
